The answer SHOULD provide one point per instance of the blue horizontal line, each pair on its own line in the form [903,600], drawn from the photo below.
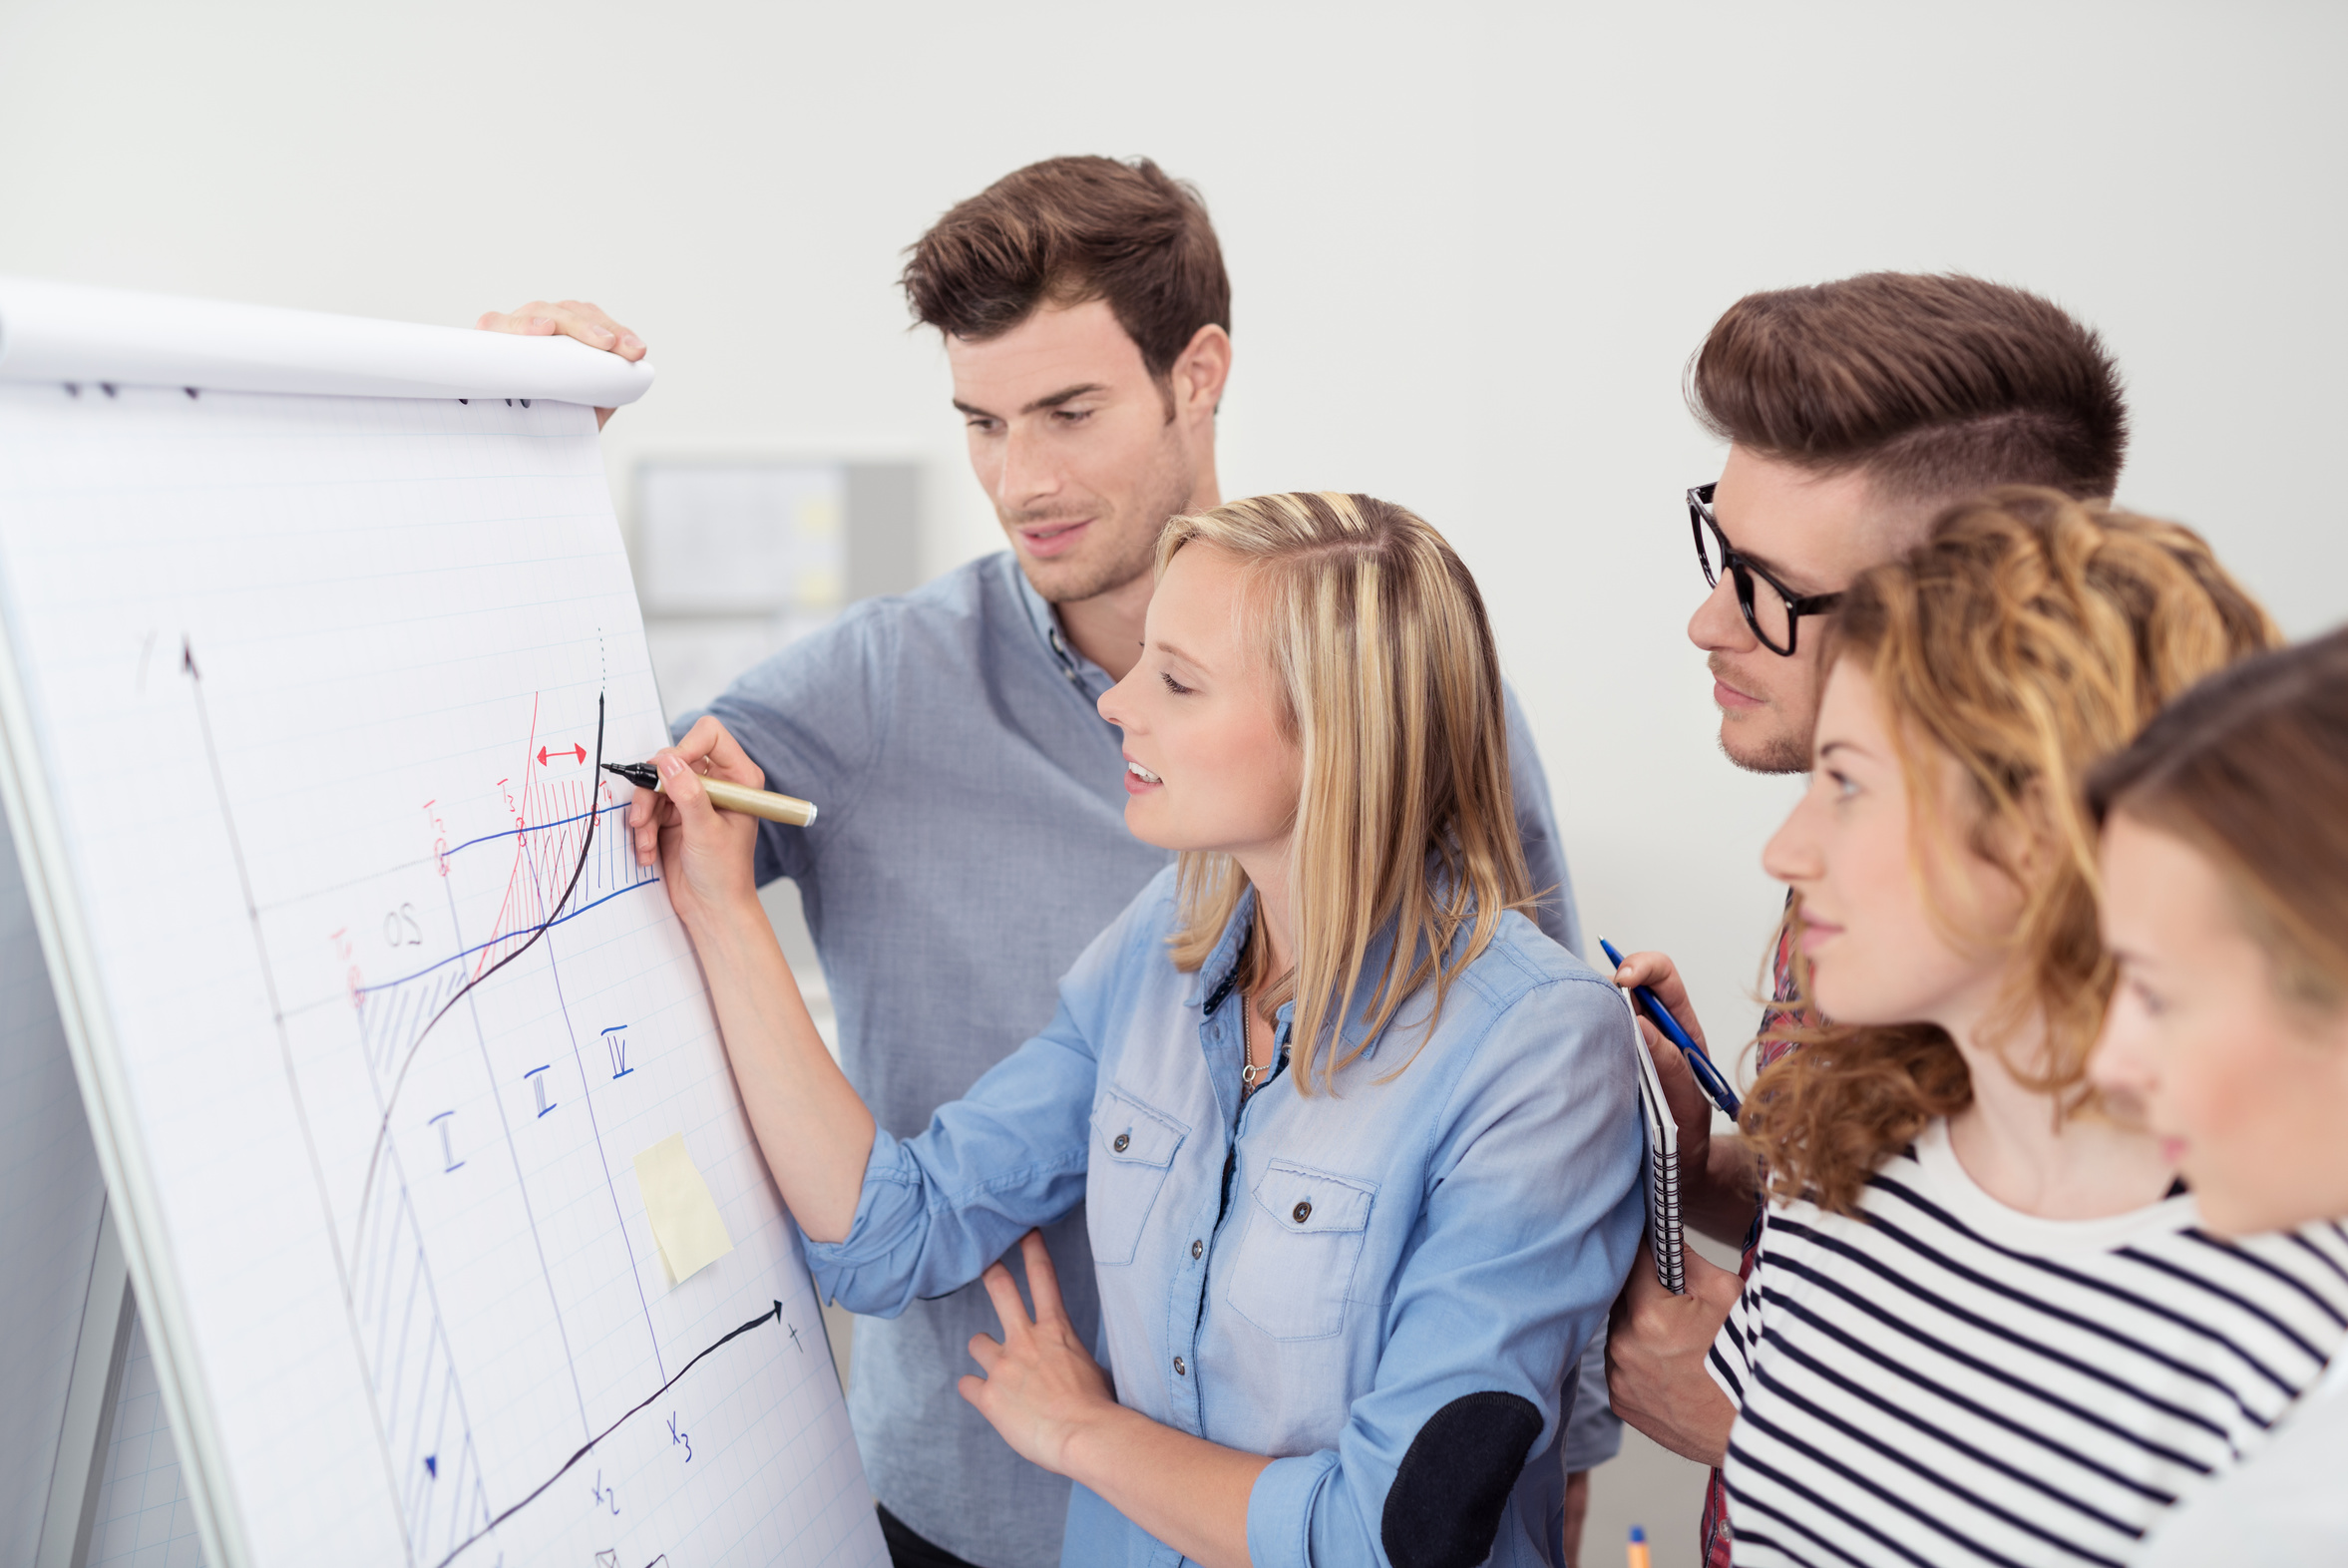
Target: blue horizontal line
[508,936]
[539,827]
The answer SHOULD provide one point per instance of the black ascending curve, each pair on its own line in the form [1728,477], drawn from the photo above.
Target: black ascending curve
[391,1100]
[253,913]
[773,1314]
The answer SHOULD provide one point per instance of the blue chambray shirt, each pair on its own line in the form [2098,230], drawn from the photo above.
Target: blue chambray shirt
[1374,1255]
[973,841]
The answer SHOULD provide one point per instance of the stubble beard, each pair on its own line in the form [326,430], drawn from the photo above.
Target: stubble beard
[1776,754]
[1127,543]
[1774,751]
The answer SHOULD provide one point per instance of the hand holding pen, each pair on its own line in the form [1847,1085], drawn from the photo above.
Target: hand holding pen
[1641,968]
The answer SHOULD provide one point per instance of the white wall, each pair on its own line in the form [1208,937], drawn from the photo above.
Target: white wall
[1471,247]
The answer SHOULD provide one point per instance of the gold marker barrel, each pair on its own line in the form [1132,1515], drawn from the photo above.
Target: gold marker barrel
[760,803]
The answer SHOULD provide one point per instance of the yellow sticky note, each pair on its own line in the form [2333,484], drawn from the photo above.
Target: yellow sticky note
[685,1222]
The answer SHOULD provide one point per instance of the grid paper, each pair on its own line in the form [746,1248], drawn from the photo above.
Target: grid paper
[317,686]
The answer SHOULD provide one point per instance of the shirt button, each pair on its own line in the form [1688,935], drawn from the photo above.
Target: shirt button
[1197,1249]
[1124,1142]
[1180,1371]
[1302,1212]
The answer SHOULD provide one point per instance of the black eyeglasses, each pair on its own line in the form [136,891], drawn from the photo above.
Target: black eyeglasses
[1774,617]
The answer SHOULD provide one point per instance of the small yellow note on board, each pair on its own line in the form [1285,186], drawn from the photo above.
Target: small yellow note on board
[685,1222]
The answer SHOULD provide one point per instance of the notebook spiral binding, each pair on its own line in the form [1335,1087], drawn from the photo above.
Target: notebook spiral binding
[1664,1232]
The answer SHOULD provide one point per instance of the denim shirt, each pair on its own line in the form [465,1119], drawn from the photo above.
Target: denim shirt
[1319,1276]
[973,841]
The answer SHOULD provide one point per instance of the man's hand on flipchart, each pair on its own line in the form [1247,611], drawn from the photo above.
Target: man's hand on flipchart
[1656,1345]
[576,318]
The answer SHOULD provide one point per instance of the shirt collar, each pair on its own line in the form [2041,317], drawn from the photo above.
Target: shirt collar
[1217,974]
[1214,978]
[1083,672]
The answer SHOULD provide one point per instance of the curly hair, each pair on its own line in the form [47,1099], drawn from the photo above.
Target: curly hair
[2028,637]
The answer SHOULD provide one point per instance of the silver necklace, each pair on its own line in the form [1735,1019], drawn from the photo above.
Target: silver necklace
[1248,1072]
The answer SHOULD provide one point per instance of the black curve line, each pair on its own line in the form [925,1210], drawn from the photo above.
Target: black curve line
[253,914]
[391,1100]
[774,1314]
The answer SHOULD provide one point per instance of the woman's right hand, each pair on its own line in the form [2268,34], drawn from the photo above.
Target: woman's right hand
[706,855]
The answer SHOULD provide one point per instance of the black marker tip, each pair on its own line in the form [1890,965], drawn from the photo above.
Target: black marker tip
[639,774]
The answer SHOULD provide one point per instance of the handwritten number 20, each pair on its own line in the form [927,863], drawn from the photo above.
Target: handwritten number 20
[400,928]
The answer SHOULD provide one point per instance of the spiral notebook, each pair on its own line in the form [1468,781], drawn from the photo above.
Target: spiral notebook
[1663,1167]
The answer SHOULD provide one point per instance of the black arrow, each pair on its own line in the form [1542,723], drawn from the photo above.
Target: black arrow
[774,1316]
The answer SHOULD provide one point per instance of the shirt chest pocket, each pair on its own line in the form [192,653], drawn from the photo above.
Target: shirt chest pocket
[1132,1150]
[1294,1264]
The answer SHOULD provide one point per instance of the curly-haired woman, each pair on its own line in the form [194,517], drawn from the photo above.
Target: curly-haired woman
[1984,1326]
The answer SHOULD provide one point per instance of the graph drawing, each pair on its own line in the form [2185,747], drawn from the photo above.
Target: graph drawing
[421,1006]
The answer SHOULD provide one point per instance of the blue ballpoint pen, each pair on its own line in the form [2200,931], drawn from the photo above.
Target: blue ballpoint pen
[1700,1065]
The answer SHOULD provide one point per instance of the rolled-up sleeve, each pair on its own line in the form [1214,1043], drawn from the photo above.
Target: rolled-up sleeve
[939,1207]
[1009,1155]
[1531,1219]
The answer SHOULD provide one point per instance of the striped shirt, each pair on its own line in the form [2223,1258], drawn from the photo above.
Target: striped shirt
[1948,1380]
[1717,1540]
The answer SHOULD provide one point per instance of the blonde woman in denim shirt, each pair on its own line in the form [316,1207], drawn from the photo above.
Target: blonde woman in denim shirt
[1356,1142]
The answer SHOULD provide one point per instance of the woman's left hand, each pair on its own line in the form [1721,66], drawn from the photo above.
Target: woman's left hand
[1041,1387]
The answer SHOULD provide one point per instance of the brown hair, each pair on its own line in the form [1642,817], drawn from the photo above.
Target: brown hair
[2032,635]
[1390,686]
[1067,231]
[1936,385]
[2251,768]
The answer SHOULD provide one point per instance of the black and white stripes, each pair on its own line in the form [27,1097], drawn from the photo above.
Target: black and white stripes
[1950,1381]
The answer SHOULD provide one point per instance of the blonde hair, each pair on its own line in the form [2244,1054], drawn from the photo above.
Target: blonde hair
[1390,683]
[2028,638]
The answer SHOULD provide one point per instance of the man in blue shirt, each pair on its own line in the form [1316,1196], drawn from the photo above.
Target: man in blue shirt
[973,830]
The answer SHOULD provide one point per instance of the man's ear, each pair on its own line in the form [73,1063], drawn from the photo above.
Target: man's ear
[1200,371]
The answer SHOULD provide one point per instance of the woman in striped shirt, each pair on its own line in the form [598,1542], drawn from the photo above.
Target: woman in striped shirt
[1983,1326]
[2225,907]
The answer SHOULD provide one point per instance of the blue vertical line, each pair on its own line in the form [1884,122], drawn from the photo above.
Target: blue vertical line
[521,1182]
[437,1335]
[302,1113]
[424,1384]
[370,1290]
[440,1426]
[399,1360]
[383,1129]
[538,1088]
[596,1131]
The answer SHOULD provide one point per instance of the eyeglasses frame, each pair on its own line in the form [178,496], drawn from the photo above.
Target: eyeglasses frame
[1742,572]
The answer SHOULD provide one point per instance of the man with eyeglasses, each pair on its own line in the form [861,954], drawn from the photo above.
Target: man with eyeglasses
[1856,412]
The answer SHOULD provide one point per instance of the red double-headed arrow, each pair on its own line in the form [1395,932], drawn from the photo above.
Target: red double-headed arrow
[575,750]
